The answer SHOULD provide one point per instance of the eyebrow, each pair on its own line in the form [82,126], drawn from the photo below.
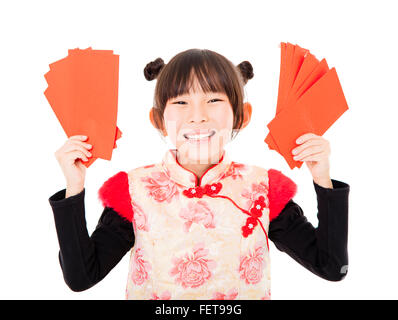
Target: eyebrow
[206,94]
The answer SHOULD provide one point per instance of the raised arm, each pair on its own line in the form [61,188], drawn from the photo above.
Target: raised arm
[321,250]
[85,260]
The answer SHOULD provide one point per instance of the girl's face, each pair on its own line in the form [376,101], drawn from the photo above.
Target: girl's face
[199,125]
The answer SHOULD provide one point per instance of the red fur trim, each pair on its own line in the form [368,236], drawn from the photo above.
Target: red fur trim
[115,193]
[280,190]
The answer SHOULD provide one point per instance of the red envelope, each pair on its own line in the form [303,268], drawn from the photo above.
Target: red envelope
[282,77]
[290,78]
[83,93]
[315,112]
[300,71]
[92,159]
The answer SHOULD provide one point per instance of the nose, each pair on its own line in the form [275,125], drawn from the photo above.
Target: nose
[198,114]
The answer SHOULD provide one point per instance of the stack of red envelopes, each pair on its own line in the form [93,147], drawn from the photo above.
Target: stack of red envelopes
[83,93]
[310,100]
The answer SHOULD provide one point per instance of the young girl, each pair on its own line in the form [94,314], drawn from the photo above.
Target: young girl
[196,223]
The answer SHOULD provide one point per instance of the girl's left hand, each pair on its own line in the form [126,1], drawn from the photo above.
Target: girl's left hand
[315,151]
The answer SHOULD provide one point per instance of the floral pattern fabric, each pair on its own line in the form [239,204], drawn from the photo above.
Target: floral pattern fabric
[193,270]
[189,241]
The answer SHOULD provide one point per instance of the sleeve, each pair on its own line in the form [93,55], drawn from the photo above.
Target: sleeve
[85,260]
[280,190]
[115,193]
[321,250]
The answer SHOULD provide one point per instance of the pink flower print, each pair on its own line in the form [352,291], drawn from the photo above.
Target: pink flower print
[140,268]
[140,218]
[198,212]
[231,295]
[235,171]
[166,295]
[257,190]
[193,269]
[160,187]
[252,265]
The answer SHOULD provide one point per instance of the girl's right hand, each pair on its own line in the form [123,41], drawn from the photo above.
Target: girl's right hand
[70,157]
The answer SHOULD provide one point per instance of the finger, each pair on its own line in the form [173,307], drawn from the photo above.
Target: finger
[313,157]
[75,146]
[73,155]
[305,137]
[305,145]
[84,144]
[78,137]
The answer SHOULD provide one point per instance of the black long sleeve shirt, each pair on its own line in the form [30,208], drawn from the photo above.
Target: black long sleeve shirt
[85,260]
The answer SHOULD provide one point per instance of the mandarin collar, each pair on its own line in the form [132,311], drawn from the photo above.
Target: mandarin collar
[176,172]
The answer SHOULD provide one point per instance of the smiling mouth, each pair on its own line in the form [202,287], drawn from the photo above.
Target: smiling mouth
[199,137]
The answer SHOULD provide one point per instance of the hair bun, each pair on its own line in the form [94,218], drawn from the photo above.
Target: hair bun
[246,70]
[153,68]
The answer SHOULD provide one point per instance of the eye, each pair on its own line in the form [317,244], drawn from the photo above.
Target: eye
[215,100]
[183,102]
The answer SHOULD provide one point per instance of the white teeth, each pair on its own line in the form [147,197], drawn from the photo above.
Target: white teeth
[199,136]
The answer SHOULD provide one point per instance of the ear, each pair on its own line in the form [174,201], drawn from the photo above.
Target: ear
[247,114]
[151,117]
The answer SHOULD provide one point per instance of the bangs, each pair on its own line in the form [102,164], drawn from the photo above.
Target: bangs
[211,73]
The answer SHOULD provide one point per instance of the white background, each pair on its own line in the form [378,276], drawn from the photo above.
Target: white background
[358,38]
